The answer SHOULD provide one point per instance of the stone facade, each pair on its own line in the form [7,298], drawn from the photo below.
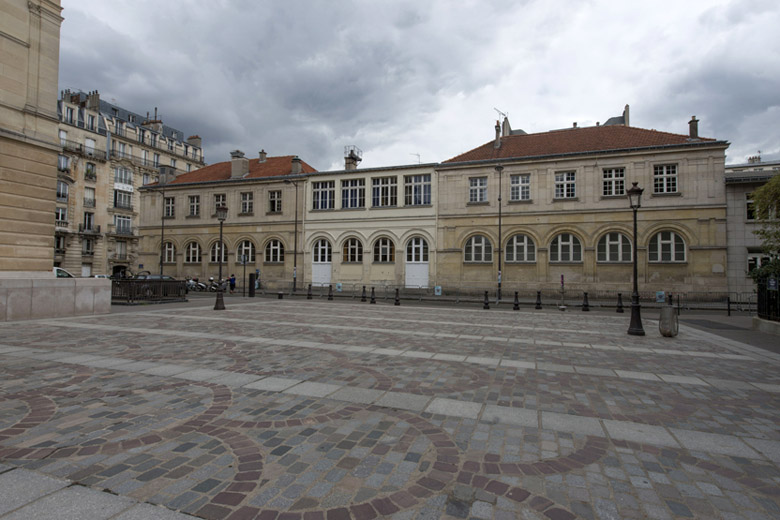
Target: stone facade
[106,154]
[744,248]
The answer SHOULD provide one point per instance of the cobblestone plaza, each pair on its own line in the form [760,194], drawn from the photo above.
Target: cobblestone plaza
[320,410]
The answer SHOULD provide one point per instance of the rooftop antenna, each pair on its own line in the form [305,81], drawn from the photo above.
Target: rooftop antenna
[500,113]
[418,157]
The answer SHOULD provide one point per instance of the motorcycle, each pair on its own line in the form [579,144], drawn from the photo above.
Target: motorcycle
[214,286]
[194,285]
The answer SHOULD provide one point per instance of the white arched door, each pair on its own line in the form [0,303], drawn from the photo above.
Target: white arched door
[321,263]
[417,263]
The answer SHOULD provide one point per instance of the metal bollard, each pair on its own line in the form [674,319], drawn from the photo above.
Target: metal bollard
[516,304]
[252,277]
[678,304]
[538,300]
[330,292]
[373,296]
[397,297]
[308,293]
[585,305]
[486,305]
[363,297]
[728,305]
[620,304]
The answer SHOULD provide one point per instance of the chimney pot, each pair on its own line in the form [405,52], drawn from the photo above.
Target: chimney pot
[262,155]
[297,167]
[239,165]
[575,124]
[693,128]
[497,142]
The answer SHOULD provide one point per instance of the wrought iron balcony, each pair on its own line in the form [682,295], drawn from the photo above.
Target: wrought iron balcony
[92,229]
[89,203]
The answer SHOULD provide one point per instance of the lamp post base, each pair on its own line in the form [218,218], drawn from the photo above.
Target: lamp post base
[635,327]
[220,305]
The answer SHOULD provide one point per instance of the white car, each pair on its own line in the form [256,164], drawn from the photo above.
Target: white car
[59,272]
[102,276]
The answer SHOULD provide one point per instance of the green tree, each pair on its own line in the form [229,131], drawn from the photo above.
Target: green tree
[767,206]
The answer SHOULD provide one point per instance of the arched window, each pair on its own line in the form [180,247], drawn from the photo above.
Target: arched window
[521,248]
[353,251]
[192,253]
[478,249]
[169,253]
[417,250]
[217,251]
[274,251]
[666,246]
[246,248]
[565,248]
[384,250]
[614,247]
[321,253]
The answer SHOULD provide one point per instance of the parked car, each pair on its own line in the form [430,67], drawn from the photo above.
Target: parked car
[153,277]
[102,276]
[59,272]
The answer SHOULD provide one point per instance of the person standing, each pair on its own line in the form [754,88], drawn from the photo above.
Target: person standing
[232,283]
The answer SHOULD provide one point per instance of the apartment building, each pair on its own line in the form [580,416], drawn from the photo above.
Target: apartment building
[107,153]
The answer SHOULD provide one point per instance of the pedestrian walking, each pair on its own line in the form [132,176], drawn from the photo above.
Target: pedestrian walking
[232,283]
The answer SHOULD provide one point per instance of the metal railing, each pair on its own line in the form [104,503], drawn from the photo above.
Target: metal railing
[89,203]
[768,302]
[89,229]
[142,291]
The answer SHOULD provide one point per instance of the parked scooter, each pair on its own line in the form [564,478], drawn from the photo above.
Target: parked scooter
[194,285]
[213,286]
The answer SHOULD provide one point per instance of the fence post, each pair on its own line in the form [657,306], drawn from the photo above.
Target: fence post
[538,300]
[330,292]
[728,305]
[620,303]
[397,297]
[678,304]
[373,296]
[585,305]
[516,305]
[363,297]
[486,305]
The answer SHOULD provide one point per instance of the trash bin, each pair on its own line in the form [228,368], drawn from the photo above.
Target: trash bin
[668,324]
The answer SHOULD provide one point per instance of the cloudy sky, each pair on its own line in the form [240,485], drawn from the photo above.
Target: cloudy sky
[404,78]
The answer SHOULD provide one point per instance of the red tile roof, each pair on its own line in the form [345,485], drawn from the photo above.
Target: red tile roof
[272,167]
[575,140]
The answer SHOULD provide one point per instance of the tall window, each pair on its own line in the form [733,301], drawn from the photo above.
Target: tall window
[353,193]
[246,249]
[614,181]
[87,246]
[520,248]
[353,251]
[323,194]
[89,197]
[69,115]
[89,221]
[565,248]
[169,253]
[565,185]
[665,178]
[384,192]
[170,207]
[750,207]
[173,162]
[614,247]
[61,215]
[218,250]
[384,250]
[123,175]
[121,250]
[63,163]
[91,122]
[478,189]
[666,246]
[520,187]
[756,260]
[247,202]
[478,249]
[220,199]
[321,252]
[192,253]
[156,162]
[59,244]
[417,250]
[123,199]
[62,191]
[275,201]
[194,205]
[63,137]
[417,190]
[274,252]
[90,171]
[122,224]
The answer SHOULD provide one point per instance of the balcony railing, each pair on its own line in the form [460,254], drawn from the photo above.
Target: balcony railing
[89,203]
[123,205]
[80,148]
[62,198]
[90,229]
[88,253]
[61,223]
[120,257]
[122,229]
[90,176]
[59,251]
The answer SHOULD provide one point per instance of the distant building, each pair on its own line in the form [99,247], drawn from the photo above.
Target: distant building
[106,154]
[745,251]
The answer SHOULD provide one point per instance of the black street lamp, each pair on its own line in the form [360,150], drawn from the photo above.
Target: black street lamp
[499,169]
[635,328]
[295,234]
[221,216]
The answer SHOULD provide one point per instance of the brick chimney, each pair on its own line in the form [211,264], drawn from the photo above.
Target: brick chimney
[497,142]
[693,128]
[239,165]
[297,167]
[195,140]
[93,101]
[262,155]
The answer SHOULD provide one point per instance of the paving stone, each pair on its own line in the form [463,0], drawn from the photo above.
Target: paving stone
[572,423]
[20,486]
[506,415]
[454,408]
[312,389]
[200,374]
[73,503]
[404,401]
[357,395]
[714,443]
[273,384]
[150,512]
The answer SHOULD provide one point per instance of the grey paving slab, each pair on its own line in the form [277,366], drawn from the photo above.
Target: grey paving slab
[481,360]
[518,364]
[138,366]
[572,424]
[449,357]
[4,468]
[73,503]
[51,356]
[387,351]
[683,380]
[728,384]
[312,389]
[201,374]
[771,449]
[165,369]
[714,443]
[555,367]
[150,512]
[81,359]
[506,415]
[7,349]
[108,362]
[234,379]
[593,371]
[357,395]
[273,384]
[20,486]
[404,401]
[417,354]
[768,387]
[630,374]
[630,431]
[454,408]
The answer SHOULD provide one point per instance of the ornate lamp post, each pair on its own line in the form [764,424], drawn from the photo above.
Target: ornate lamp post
[499,169]
[295,234]
[221,216]
[635,328]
